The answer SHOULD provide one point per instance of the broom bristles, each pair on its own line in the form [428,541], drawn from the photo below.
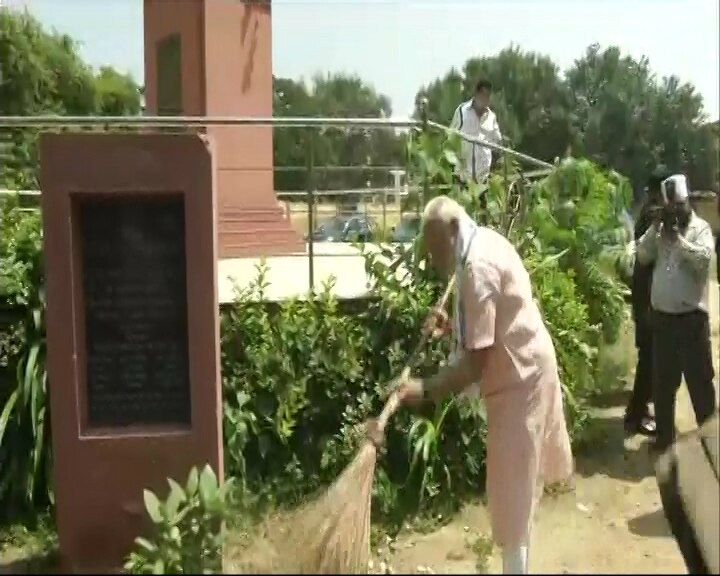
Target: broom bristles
[332,535]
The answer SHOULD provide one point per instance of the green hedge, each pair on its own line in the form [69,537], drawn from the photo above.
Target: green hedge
[299,377]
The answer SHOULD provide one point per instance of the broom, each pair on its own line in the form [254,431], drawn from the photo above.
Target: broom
[332,534]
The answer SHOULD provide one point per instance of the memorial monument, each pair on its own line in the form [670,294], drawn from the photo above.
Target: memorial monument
[130,245]
[214,58]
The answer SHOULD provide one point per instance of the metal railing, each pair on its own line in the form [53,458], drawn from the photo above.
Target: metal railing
[47,121]
[311,125]
[494,147]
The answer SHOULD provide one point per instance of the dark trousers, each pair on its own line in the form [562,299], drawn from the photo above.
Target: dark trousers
[681,347]
[642,391]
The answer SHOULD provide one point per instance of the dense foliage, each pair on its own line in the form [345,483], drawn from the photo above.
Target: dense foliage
[42,73]
[25,463]
[300,376]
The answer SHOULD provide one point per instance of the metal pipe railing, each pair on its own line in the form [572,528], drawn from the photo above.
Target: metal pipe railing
[182,121]
[491,146]
[47,121]
[287,122]
[340,168]
[302,194]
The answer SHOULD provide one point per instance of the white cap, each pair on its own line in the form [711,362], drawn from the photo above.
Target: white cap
[678,183]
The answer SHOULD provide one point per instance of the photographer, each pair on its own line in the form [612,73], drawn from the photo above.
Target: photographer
[679,244]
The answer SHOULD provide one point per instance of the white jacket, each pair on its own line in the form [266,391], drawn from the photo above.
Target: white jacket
[476,158]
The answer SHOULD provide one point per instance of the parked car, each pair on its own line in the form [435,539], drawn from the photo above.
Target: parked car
[353,228]
[407,229]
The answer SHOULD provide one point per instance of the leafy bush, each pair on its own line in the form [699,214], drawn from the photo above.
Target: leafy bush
[299,378]
[25,459]
[187,535]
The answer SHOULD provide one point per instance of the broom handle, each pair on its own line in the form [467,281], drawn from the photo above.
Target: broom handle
[393,403]
[412,359]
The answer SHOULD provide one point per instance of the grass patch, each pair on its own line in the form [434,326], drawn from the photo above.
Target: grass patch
[481,547]
[616,362]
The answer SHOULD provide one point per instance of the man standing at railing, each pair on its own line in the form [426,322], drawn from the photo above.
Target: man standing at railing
[475,119]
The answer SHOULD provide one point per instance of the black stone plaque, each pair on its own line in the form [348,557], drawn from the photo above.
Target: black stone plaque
[135,299]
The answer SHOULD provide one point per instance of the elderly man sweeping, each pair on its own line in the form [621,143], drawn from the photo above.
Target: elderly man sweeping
[506,353]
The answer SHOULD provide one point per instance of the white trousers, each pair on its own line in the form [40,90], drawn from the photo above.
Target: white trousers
[515,560]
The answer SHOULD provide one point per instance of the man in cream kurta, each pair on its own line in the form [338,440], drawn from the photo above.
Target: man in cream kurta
[506,350]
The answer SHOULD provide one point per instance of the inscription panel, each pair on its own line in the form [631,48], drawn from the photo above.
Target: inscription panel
[135,298]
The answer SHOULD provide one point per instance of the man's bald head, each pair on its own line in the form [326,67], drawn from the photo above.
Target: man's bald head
[440,224]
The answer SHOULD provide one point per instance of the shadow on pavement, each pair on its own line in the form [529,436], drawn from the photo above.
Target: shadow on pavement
[611,454]
[614,399]
[650,525]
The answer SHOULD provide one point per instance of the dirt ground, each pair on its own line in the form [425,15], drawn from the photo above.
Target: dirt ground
[612,522]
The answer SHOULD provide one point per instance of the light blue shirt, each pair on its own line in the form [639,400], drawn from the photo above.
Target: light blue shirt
[682,267]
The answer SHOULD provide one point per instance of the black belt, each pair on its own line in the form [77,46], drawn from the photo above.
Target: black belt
[680,314]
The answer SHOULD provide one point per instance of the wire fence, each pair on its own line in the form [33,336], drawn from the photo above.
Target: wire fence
[378,206]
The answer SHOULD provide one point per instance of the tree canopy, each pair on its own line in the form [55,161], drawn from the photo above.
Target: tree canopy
[42,73]
[607,106]
[333,95]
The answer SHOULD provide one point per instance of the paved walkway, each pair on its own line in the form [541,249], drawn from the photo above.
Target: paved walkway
[289,276]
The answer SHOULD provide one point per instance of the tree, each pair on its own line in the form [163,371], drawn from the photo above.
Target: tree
[335,95]
[615,103]
[688,142]
[443,96]
[290,98]
[632,122]
[116,94]
[42,73]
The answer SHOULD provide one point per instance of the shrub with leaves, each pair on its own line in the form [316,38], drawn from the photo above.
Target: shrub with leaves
[577,209]
[302,375]
[25,462]
[187,528]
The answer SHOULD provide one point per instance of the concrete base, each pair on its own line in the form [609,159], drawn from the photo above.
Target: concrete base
[289,275]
